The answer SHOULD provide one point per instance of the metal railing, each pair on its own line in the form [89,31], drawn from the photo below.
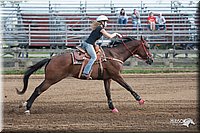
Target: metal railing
[60,25]
[60,22]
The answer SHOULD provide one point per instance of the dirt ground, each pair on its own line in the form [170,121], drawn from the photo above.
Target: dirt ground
[74,105]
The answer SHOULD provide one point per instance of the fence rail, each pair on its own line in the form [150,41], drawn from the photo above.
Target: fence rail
[14,61]
[62,25]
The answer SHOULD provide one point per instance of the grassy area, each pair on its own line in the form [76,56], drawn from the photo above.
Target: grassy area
[142,70]
[16,72]
[145,71]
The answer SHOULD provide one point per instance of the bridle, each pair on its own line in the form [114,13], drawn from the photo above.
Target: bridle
[149,56]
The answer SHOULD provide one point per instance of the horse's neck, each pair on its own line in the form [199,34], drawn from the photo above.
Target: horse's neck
[121,52]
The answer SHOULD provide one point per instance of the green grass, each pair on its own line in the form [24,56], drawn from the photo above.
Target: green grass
[161,69]
[144,71]
[139,70]
[17,72]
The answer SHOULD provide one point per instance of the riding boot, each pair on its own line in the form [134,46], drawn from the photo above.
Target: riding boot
[85,76]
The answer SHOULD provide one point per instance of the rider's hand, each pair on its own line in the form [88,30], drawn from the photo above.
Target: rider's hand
[118,35]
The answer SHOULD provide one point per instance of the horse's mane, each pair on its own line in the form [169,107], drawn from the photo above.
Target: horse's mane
[115,43]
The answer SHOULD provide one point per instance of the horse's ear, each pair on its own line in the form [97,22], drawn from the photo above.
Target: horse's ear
[142,39]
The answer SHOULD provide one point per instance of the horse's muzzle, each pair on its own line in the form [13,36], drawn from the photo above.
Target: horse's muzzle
[149,61]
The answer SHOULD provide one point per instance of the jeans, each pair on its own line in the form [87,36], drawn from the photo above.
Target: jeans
[90,50]
[160,26]
[122,20]
[136,24]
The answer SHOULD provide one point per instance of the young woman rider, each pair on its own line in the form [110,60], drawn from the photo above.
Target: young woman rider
[89,45]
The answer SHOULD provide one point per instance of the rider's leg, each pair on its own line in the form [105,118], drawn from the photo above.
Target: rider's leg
[90,50]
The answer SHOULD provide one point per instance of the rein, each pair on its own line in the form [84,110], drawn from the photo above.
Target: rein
[111,58]
[133,52]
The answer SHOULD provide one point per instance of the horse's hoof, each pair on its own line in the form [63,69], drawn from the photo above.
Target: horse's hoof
[141,102]
[115,110]
[27,112]
[23,105]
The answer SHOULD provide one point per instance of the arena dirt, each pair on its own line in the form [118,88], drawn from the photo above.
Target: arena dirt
[77,105]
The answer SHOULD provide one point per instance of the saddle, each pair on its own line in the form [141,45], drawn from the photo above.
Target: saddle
[80,56]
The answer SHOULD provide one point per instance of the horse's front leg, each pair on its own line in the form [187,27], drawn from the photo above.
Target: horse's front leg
[119,79]
[108,94]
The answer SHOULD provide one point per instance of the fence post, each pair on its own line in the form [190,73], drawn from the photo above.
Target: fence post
[16,60]
[171,51]
[173,35]
[29,35]
[66,31]
[112,8]
[171,58]
[138,32]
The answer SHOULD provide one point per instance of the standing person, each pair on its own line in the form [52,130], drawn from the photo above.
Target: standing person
[90,43]
[122,19]
[151,20]
[136,18]
[160,22]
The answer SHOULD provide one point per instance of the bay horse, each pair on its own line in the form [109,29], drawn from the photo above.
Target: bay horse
[61,66]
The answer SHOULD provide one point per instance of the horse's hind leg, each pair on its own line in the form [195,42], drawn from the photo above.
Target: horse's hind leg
[108,94]
[38,90]
[119,79]
[107,90]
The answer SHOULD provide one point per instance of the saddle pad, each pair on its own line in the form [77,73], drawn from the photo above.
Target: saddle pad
[79,55]
[77,58]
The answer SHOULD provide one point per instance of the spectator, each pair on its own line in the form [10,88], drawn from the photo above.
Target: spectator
[122,19]
[151,20]
[160,22]
[136,18]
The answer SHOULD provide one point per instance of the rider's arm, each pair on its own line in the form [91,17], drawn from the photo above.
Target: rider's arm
[108,35]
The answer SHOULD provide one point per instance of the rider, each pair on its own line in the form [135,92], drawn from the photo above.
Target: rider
[89,45]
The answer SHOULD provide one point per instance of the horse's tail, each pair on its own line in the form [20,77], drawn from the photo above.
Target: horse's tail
[30,71]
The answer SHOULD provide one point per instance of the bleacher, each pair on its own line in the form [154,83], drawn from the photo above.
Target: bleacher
[66,25]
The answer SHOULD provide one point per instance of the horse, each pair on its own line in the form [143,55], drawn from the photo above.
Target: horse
[61,66]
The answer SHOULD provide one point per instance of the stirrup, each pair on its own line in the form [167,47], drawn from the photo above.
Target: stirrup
[85,76]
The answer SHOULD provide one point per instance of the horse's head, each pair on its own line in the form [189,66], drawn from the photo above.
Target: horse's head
[143,51]
[140,49]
